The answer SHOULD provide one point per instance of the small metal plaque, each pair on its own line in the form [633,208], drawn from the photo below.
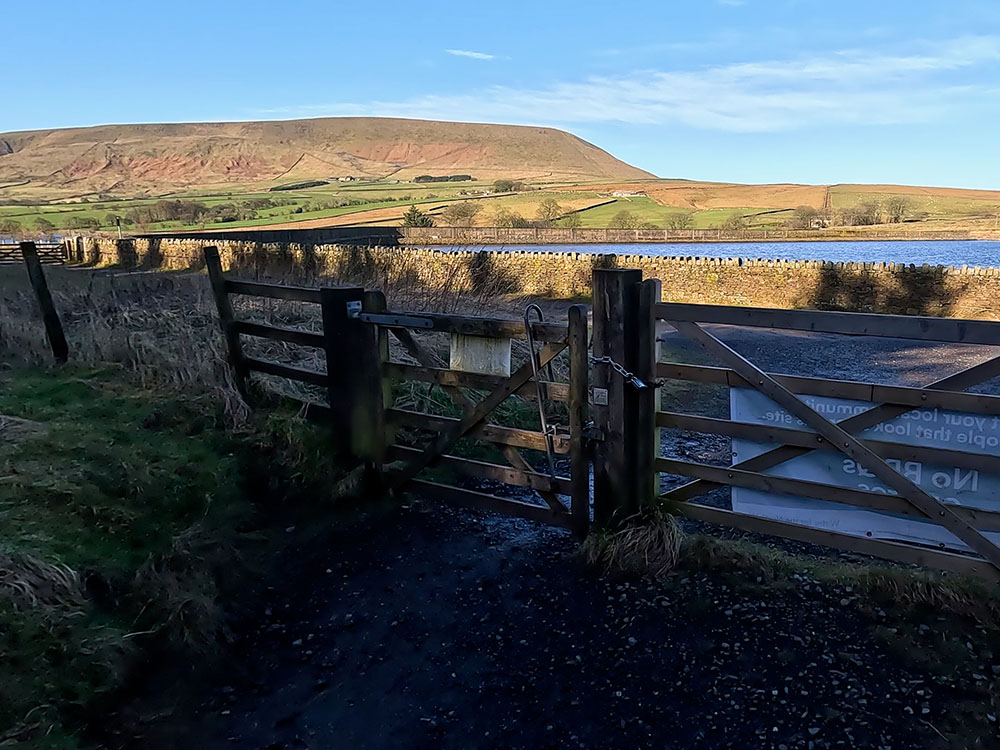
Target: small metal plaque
[601,396]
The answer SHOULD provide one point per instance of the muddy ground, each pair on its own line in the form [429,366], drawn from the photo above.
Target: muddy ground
[432,628]
[423,627]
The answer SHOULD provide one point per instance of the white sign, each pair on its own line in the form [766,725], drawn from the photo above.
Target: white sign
[937,428]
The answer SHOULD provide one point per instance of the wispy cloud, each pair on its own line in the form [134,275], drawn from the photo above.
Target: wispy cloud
[845,87]
[469,53]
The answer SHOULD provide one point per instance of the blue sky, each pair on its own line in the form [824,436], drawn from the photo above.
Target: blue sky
[741,90]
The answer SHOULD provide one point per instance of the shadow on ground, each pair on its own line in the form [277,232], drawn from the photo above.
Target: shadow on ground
[444,630]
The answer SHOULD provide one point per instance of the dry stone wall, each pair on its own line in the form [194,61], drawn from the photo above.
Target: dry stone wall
[868,287]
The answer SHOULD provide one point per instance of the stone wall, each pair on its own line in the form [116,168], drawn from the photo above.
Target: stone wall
[869,287]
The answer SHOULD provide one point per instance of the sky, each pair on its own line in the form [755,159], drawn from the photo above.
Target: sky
[879,91]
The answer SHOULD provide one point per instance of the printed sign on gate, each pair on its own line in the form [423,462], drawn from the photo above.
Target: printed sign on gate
[935,428]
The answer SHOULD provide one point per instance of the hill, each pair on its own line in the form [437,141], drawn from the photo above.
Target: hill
[130,160]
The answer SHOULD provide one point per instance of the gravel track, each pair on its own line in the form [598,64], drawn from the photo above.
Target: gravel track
[454,630]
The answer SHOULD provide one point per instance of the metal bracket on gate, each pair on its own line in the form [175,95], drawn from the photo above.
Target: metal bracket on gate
[394,321]
[354,309]
[593,433]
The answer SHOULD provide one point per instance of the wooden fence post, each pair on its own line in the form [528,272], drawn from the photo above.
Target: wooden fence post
[643,421]
[375,391]
[579,415]
[616,486]
[345,351]
[227,320]
[53,326]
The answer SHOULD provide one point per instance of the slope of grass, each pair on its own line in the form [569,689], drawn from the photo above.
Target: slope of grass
[123,511]
[647,210]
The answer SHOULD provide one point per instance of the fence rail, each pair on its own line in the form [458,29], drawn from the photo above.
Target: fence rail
[49,253]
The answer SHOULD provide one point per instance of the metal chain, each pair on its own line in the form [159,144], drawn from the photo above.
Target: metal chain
[630,377]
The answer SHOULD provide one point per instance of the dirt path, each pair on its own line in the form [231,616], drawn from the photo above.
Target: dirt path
[453,630]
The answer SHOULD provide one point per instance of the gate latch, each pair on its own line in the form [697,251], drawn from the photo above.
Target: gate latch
[593,433]
[354,309]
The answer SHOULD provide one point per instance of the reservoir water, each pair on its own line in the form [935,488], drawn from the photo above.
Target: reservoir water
[934,252]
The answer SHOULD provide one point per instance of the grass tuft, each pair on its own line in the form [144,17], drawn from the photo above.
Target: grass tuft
[650,545]
[29,583]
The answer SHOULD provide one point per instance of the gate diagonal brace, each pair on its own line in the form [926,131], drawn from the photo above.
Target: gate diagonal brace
[962,379]
[447,439]
[843,440]
[513,456]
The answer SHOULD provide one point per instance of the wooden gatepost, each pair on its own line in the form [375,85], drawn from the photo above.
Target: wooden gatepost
[624,401]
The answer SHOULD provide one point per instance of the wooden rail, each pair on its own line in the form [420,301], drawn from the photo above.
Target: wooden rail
[905,497]
[858,391]
[856,324]
[49,253]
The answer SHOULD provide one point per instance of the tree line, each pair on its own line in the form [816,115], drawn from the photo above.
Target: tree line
[892,210]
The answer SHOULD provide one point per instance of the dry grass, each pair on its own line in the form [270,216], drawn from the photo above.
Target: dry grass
[181,603]
[903,588]
[163,328]
[26,582]
[159,328]
[651,544]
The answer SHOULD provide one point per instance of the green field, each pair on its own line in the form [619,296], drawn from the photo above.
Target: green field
[939,209]
[648,210]
[299,205]
[948,207]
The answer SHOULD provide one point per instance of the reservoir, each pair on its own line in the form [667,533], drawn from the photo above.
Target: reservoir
[918,252]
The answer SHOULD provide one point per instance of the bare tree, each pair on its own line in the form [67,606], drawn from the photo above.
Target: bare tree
[865,213]
[549,210]
[10,227]
[461,214]
[679,221]
[735,222]
[573,221]
[624,220]
[896,208]
[507,219]
[806,217]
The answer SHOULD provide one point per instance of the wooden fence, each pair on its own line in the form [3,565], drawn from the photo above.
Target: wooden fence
[49,253]
[622,443]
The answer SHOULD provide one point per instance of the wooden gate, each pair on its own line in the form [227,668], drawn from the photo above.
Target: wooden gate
[49,253]
[402,446]
[811,430]
[361,378]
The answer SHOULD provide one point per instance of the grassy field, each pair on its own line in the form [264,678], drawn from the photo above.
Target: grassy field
[382,202]
[300,205]
[647,210]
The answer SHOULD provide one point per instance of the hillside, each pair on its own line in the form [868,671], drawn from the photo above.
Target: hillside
[129,160]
